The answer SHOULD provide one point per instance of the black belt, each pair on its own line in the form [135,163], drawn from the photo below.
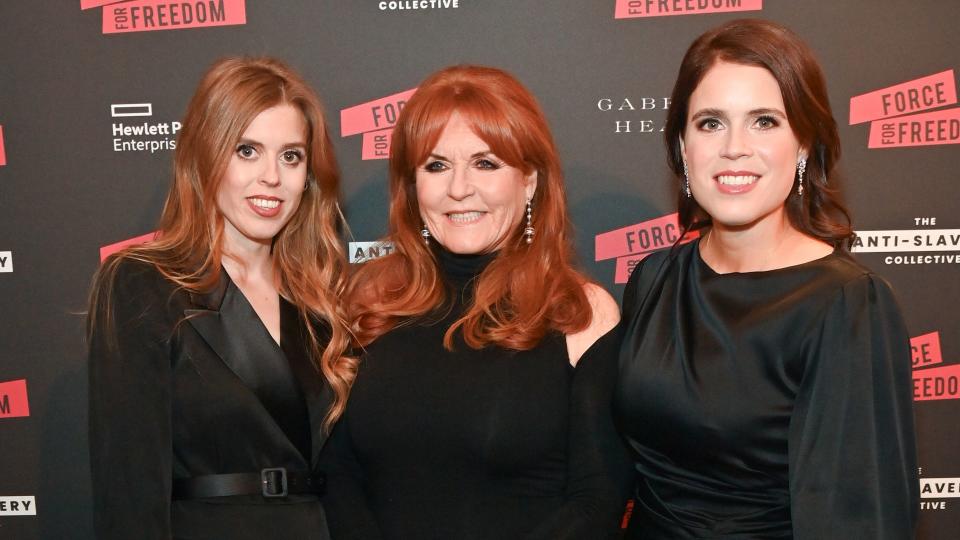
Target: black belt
[271,483]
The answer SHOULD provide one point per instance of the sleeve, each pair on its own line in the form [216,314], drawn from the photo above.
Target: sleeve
[129,410]
[853,463]
[599,469]
[348,515]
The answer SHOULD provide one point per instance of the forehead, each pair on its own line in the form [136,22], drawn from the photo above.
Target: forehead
[458,134]
[736,87]
[284,121]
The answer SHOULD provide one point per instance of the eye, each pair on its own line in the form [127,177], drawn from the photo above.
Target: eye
[767,122]
[487,164]
[291,157]
[709,124]
[246,151]
[435,166]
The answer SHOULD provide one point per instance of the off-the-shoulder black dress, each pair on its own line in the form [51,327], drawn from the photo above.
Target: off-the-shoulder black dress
[476,444]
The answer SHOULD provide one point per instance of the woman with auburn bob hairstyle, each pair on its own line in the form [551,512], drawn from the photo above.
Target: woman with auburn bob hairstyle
[765,384]
[215,350]
[482,406]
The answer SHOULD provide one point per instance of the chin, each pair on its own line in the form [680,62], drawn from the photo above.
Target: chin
[466,247]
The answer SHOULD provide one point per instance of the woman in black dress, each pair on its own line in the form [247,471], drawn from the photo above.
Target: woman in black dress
[215,354]
[764,375]
[482,404]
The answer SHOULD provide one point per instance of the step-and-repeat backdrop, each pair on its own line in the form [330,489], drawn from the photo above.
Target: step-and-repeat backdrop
[91,97]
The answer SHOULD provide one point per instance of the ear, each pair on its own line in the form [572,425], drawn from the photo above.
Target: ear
[531,184]
[683,148]
[802,154]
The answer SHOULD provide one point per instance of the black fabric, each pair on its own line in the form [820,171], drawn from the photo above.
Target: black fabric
[275,482]
[260,363]
[165,405]
[476,444]
[766,405]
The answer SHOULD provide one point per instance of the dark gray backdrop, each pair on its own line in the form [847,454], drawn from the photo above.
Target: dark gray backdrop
[65,192]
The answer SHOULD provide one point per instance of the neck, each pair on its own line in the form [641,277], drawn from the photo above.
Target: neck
[461,268]
[247,261]
[768,244]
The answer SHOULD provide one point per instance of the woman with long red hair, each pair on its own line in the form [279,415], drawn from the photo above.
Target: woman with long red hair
[482,404]
[216,350]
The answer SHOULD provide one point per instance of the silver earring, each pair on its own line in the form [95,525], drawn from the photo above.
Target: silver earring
[686,179]
[801,168]
[425,233]
[529,230]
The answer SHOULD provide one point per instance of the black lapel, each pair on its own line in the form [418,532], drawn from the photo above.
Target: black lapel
[317,393]
[205,319]
[242,344]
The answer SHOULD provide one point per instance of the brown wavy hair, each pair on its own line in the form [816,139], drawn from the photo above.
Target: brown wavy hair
[819,212]
[307,255]
[528,289]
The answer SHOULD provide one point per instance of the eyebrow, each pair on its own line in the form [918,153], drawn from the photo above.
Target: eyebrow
[481,153]
[754,112]
[259,144]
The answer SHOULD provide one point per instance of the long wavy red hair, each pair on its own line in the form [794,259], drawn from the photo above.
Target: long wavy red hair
[307,254]
[528,289]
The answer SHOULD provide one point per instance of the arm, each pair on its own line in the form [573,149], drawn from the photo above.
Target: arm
[853,470]
[129,410]
[599,470]
[345,503]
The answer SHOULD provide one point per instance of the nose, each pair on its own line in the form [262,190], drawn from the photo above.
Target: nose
[270,175]
[735,144]
[461,184]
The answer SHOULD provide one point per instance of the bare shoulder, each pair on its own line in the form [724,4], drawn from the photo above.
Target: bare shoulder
[605,314]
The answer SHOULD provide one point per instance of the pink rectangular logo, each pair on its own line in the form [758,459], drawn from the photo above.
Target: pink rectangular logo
[628,9]
[13,399]
[376,144]
[625,266]
[106,251]
[87,4]
[646,236]
[374,115]
[148,15]
[924,129]
[920,94]
[3,152]
[925,350]
[936,383]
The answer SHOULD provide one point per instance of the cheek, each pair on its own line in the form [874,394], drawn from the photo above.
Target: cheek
[426,194]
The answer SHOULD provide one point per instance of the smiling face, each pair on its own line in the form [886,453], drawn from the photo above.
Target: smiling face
[469,199]
[739,148]
[265,178]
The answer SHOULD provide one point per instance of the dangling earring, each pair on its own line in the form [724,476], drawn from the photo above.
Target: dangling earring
[686,179]
[425,233]
[801,168]
[529,230]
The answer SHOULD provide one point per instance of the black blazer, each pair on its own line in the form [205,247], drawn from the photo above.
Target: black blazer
[167,401]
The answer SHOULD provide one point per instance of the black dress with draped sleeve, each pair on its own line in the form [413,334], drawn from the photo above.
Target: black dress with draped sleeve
[771,404]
